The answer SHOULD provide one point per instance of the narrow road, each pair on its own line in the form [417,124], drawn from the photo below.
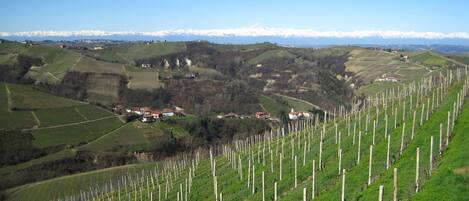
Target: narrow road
[76,62]
[8,93]
[300,100]
[75,123]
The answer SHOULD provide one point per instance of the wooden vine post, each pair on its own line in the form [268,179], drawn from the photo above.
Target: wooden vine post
[370,164]
[381,193]
[431,156]
[343,185]
[417,170]
[395,185]
[387,155]
[313,183]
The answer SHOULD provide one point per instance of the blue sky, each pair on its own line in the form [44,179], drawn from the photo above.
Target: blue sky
[147,15]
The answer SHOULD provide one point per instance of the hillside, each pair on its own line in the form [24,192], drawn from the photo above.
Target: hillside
[66,127]
[74,136]
[214,78]
[310,158]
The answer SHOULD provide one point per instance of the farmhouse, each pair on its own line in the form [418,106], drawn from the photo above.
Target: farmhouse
[136,110]
[298,115]
[386,79]
[146,65]
[167,112]
[230,115]
[147,119]
[262,115]
[191,76]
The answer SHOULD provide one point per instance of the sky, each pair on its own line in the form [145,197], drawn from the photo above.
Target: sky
[436,16]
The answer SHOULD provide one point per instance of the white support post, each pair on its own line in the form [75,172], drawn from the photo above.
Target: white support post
[370,164]
[417,170]
[343,185]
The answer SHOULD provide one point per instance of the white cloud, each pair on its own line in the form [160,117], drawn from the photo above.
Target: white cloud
[251,31]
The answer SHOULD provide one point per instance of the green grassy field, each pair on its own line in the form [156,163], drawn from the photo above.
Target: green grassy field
[428,58]
[12,119]
[66,153]
[297,104]
[127,137]
[246,47]
[87,64]
[451,177]
[73,184]
[75,134]
[134,136]
[127,53]
[272,54]
[461,58]
[91,112]
[154,49]
[271,106]
[7,59]
[376,87]
[58,116]
[11,48]
[25,97]
[58,62]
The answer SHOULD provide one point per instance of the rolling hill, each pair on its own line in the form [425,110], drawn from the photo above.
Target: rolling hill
[315,160]
[71,135]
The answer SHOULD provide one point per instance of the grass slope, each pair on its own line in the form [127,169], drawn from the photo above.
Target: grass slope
[12,119]
[234,188]
[451,178]
[428,58]
[75,134]
[55,188]
[297,104]
[25,97]
[271,106]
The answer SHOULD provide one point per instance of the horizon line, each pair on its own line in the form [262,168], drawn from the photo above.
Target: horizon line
[252,31]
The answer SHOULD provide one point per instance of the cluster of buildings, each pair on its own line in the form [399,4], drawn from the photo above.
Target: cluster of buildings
[149,115]
[258,115]
[386,79]
[293,115]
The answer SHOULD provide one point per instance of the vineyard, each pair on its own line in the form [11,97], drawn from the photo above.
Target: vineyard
[386,147]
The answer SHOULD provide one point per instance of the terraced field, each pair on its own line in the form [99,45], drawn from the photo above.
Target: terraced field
[330,160]
[371,64]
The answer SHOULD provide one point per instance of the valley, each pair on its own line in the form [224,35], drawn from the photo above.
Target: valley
[59,102]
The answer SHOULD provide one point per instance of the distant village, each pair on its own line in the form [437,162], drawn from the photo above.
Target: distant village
[150,115]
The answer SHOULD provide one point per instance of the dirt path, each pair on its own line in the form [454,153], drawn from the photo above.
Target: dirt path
[38,123]
[83,116]
[75,123]
[300,100]
[53,76]
[76,62]
[8,93]
[125,58]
